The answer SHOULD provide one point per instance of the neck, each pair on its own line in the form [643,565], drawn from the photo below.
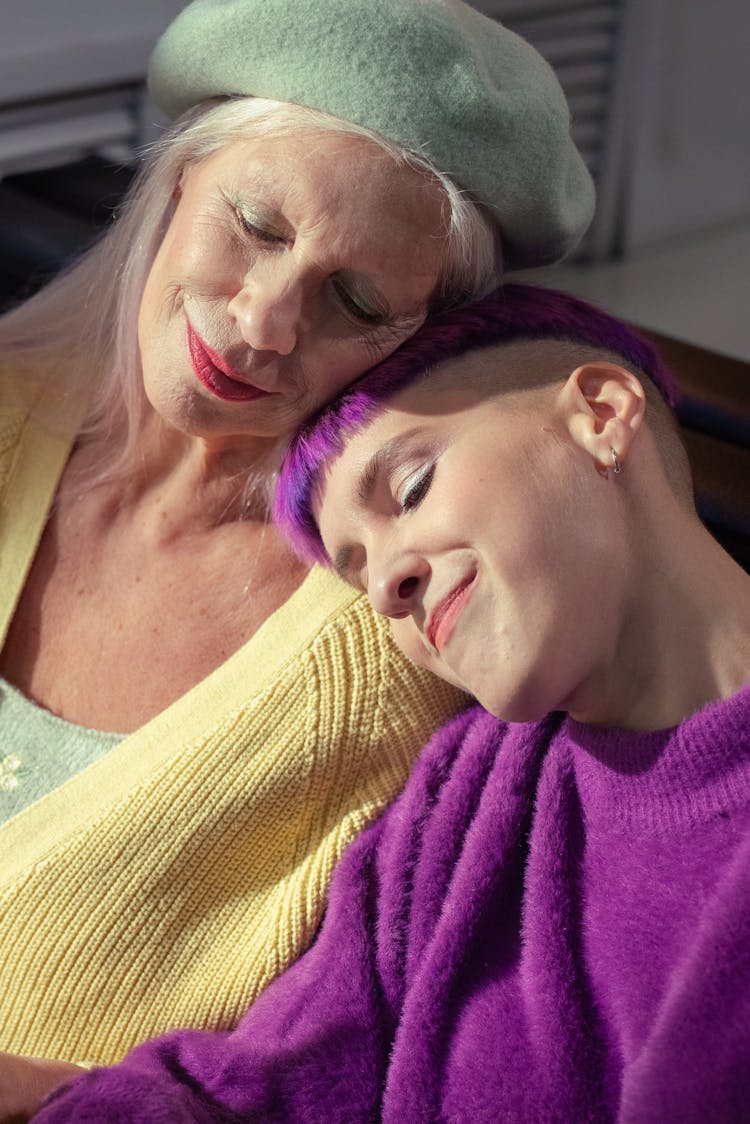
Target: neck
[201,484]
[684,639]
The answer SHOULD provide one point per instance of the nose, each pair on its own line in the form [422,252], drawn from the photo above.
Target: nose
[394,585]
[268,308]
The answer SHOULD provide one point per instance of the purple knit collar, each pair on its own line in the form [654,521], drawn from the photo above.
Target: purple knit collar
[684,775]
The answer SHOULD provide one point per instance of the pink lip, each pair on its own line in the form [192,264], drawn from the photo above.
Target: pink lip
[445,614]
[211,370]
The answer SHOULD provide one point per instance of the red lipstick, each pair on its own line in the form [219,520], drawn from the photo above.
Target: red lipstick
[211,370]
[445,614]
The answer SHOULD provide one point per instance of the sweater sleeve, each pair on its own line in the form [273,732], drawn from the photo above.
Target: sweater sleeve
[316,1045]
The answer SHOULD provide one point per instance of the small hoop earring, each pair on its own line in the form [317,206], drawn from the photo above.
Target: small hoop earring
[616,466]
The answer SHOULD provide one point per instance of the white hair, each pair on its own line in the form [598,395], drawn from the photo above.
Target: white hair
[82,325]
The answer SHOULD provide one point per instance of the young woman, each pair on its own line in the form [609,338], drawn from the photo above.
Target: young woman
[551,923]
[193,723]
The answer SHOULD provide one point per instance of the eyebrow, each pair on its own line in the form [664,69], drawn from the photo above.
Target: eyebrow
[370,474]
[381,460]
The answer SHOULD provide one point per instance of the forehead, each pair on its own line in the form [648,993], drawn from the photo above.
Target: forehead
[345,189]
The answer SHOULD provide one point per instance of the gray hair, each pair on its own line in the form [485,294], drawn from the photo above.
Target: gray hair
[82,325]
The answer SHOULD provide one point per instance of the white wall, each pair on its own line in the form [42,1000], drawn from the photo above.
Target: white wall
[54,46]
[689,163]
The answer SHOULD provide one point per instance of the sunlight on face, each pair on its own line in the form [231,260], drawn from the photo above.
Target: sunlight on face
[455,513]
[291,265]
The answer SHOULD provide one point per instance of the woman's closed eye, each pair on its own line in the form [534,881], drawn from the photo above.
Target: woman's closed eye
[355,308]
[252,224]
[415,487]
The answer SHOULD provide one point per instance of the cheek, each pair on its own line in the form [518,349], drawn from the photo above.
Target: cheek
[330,364]
[528,521]
[201,250]
[158,287]
[147,315]
[415,649]
[410,642]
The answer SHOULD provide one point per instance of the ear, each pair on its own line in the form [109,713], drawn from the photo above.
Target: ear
[604,406]
[178,187]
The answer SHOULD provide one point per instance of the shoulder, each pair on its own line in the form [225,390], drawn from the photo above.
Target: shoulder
[473,759]
[463,748]
[357,670]
[470,796]
[13,419]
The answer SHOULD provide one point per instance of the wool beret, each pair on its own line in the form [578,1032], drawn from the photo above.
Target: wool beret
[436,76]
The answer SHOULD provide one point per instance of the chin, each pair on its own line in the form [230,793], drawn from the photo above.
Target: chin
[515,714]
[524,705]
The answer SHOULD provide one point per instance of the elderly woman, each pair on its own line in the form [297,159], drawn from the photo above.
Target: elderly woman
[193,722]
[551,923]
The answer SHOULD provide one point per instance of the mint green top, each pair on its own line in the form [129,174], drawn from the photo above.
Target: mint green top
[39,751]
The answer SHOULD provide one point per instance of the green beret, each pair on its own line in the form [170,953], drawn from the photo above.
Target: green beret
[436,76]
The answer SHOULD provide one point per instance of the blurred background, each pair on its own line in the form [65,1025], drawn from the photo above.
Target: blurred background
[660,98]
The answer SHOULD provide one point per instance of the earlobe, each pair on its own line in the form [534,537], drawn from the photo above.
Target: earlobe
[605,405]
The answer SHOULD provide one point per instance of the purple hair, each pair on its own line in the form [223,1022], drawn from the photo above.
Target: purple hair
[509,313]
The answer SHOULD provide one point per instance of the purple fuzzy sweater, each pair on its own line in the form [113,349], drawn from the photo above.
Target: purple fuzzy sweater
[551,924]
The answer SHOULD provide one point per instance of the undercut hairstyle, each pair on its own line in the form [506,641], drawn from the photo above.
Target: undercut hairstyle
[512,314]
[81,328]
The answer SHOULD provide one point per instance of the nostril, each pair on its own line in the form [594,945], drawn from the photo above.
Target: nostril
[407,587]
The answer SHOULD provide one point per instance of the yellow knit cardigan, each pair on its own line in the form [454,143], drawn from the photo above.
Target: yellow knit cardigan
[168,883]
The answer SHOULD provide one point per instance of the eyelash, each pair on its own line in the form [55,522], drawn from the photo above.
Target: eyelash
[375,319]
[254,231]
[417,488]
